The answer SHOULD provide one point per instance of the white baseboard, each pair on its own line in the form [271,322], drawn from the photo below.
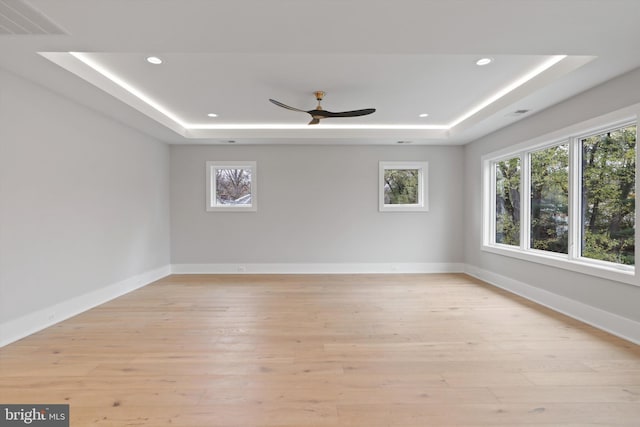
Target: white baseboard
[21,327]
[16,329]
[318,268]
[622,327]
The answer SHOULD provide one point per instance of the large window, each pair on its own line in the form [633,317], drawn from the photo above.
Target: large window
[569,202]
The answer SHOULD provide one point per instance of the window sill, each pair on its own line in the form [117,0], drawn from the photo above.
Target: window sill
[610,271]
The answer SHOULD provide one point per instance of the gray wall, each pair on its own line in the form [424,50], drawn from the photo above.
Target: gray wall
[84,201]
[316,204]
[610,296]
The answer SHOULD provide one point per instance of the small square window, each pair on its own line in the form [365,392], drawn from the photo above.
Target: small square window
[403,187]
[232,186]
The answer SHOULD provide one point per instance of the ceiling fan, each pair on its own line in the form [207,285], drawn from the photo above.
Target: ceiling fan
[319,113]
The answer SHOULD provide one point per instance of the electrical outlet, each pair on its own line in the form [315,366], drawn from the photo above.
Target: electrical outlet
[242,268]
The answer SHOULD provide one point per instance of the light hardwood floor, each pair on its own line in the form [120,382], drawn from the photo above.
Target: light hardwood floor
[346,350]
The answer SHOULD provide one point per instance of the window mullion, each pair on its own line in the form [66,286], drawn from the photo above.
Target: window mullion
[525,208]
[637,190]
[491,203]
[575,199]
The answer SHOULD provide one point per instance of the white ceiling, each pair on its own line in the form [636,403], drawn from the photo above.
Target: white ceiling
[402,57]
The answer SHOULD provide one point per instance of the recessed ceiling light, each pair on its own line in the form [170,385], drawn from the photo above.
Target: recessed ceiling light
[484,61]
[154,60]
[212,115]
[424,115]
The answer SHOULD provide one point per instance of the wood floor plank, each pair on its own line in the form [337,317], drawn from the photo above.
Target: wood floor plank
[325,350]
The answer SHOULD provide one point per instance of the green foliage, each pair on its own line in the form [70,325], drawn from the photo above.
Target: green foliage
[550,199]
[508,202]
[401,186]
[608,198]
[608,181]
[507,230]
[602,247]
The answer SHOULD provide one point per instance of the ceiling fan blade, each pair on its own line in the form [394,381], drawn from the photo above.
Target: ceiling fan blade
[280,104]
[319,113]
[354,113]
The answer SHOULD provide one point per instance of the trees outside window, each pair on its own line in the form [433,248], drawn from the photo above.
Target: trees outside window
[608,195]
[550,199]
[574,200]
[403,187]
[231,186]
[508,201]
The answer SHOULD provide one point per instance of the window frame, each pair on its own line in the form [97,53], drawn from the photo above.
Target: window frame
[423,192]
[572,261]
[525,228]
[211,200]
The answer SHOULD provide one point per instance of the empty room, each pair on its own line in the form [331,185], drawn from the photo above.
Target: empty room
[284,213]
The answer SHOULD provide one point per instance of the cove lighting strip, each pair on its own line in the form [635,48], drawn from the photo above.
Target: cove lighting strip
[128,87]
[84,58]
[509,88]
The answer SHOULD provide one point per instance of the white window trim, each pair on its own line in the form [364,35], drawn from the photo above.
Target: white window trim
[211,204]
[423,192]
[572,261]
